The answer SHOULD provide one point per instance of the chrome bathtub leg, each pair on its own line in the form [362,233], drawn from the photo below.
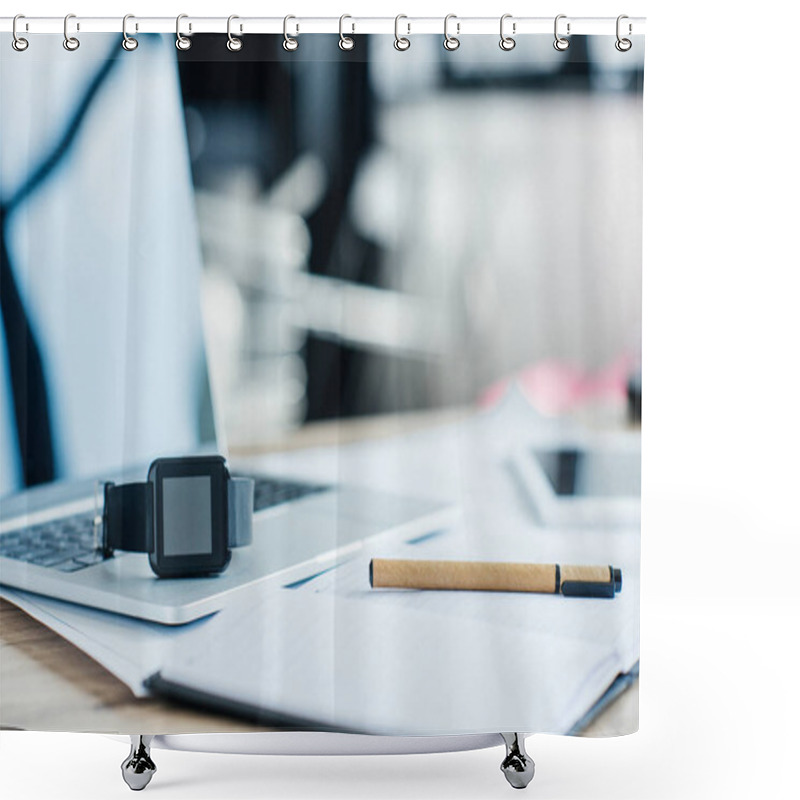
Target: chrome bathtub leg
[517,766]
[138,768]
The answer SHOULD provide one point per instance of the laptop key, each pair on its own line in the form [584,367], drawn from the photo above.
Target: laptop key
[72,551]
[70,566]
[29,553]
[49,560]
[14,552]
[88,559]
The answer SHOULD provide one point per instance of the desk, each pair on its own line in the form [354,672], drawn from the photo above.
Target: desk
[46,683]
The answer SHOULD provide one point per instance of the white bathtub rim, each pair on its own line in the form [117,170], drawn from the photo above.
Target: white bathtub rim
[319,743]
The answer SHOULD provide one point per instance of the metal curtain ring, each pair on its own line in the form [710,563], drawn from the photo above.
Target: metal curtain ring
[560,42]
[233,44]
[128,42]
[71,43]
[289,43]
[400,42]
[623,45]
[507,42]
[18,43]
[451,42]
[182,42]
[346,42]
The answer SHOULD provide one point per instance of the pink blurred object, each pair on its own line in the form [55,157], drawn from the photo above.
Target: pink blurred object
[555,387]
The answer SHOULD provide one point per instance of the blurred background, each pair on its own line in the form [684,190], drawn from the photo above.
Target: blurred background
[385,231]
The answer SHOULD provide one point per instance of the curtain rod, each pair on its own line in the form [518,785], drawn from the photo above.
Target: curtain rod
[461,26]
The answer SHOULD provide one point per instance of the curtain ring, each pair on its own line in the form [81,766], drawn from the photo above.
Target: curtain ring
[71,43]
[182,42]
[346,42]
[400,42]
[128,42]
[18,43]
[623,45]
[233,44]
[507,42]
[289,43]
[451,42]
[560,43]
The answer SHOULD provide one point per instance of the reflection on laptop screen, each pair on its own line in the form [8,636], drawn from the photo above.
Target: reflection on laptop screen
[101,269]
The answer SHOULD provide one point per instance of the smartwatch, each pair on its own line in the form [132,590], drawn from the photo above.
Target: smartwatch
[187,516]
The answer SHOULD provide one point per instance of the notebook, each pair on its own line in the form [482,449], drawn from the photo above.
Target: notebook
[399,663]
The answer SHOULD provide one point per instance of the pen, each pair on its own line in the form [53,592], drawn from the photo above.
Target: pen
[495,576]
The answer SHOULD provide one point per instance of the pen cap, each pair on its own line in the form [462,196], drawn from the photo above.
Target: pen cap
[590,581]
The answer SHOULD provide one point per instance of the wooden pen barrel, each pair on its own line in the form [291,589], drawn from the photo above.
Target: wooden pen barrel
[486,576]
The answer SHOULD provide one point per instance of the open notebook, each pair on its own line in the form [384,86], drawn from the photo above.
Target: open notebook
[332,654]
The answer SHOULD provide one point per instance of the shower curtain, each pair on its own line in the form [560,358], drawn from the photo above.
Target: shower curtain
[397,286]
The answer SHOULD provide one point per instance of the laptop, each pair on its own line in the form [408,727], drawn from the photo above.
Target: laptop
[300,528]
[128,371]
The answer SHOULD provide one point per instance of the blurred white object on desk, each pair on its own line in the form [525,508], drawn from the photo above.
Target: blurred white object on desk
[589,480]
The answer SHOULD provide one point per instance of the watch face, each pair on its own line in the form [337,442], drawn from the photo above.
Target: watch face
[190,516]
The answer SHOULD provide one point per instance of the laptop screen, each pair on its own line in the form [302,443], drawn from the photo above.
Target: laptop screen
[102,363]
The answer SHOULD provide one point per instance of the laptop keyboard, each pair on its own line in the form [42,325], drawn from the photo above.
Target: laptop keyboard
[67,544]
[274,491]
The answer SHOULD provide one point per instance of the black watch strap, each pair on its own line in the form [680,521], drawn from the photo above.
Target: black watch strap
[127,517]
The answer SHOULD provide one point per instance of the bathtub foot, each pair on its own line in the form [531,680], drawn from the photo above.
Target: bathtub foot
[517,766]
[138,768]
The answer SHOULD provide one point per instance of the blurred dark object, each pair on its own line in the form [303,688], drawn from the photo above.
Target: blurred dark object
[561,467]
[635,397]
